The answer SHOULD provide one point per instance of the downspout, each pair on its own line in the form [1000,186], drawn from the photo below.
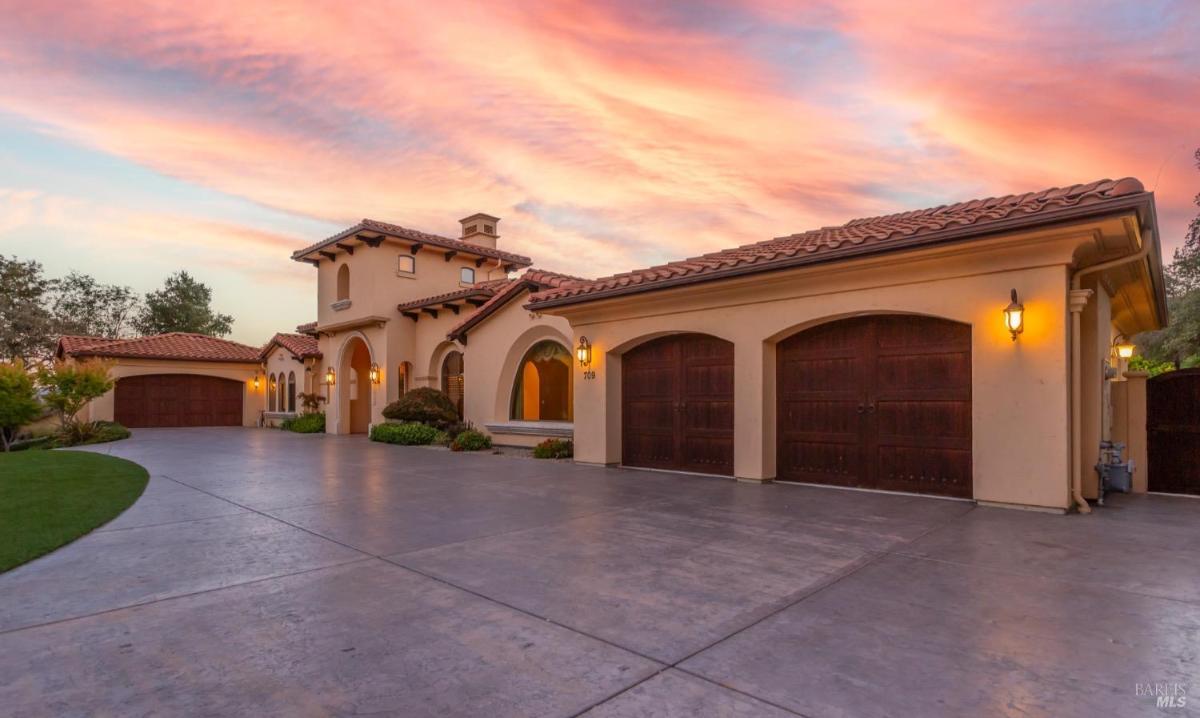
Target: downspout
[1078,299]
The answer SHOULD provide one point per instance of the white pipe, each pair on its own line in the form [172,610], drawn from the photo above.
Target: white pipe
[1076,370]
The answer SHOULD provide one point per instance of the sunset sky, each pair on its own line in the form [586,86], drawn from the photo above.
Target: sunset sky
[140,138]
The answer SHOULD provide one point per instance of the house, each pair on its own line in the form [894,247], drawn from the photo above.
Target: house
[967,350]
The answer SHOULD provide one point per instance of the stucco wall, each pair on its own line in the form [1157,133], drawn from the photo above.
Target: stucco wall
[493,352]
[252,401]
[280,362]
[1020,389]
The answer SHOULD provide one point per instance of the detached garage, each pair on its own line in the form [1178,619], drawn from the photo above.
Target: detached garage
[175,379]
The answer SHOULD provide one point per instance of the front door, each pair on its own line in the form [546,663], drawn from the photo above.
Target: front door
[1173,432]
[677,404]
[879,402]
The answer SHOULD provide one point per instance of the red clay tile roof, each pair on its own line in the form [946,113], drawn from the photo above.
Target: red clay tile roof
[173,345]
[307,328]
[533,280]
[412,235]
[477,291]
[862,236]
[303,346]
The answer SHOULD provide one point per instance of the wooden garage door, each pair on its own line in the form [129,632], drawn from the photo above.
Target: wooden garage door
[879,402]
[178,400]
[677,404]
[1173,432]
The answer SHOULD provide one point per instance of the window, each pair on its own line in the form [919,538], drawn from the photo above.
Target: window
[282,393]
[343,282]
[452,379]
[406,264]
[404,370]
[466,275]
[291,404]
[271,393]
[543,390]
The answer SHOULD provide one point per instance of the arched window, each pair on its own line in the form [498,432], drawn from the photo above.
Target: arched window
[402,377]
[543,390]
[271,393]
[291,391]
[452,379]
[343,282]
[282,393]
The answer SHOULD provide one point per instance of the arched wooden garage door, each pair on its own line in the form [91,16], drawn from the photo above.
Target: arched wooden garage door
[880,402]
[677,404]
[178,400]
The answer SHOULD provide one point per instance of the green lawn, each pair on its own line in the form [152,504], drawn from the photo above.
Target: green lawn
[49,498]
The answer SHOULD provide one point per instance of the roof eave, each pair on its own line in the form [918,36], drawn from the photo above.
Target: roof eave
[962,233]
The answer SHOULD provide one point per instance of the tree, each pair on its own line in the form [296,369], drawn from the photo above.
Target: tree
[18,402]
[69,386]
[27,328]
[84,306]
[1179,342]
[182,305]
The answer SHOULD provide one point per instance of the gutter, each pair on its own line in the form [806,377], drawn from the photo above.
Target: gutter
[1078,300]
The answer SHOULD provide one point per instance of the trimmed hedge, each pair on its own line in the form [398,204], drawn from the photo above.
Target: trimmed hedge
[425,405]
[554,449]
[471,440]
[305,423]
[408,434]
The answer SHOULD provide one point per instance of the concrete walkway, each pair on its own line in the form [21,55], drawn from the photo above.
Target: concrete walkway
[266,573]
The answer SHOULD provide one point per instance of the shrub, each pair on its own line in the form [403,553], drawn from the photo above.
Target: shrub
[554,449]
[18,402]
[79,433]
[410,434]
[310,403]
[455,428]
[471,440]
[425,405]
[305,423]
[69,386]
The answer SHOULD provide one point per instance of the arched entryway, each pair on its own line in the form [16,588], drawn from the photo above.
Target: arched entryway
[677,404]
[880,402]
[453,379]
[542,390]
[354,387]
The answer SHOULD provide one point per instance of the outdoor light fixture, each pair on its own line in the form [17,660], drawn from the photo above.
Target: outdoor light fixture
[1014,316]
[584,351]
[330,377]
[1123,349]
[374,373]
[256,382]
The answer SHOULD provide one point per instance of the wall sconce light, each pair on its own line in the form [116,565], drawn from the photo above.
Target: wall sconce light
[1014,316]
[330,376]
[1123,349]
[256,383]
[374,373]
[583,352]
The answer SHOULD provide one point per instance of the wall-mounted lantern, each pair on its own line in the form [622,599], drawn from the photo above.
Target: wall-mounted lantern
[374,373]
[330,377]
[1014,316]
[256,383]
[1122,347]
[583,352]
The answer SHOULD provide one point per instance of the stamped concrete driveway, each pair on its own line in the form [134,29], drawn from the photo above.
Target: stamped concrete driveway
[266,573]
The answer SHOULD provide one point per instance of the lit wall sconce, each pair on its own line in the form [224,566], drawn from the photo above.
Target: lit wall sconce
[1014,316]
[1122,347]
[256,382]
[584,352]
[374,373]
[330,377]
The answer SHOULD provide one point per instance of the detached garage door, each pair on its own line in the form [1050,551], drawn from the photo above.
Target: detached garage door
[880,402]
[178,400]
[677,404]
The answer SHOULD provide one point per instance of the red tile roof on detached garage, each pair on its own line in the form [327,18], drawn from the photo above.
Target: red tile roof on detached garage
[372,226]
[303,346]
[173,345]
[534,280]
[863,236]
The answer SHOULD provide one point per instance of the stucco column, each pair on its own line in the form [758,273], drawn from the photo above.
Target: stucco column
[753,421]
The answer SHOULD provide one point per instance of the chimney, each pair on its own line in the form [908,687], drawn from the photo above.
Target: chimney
[480,229]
